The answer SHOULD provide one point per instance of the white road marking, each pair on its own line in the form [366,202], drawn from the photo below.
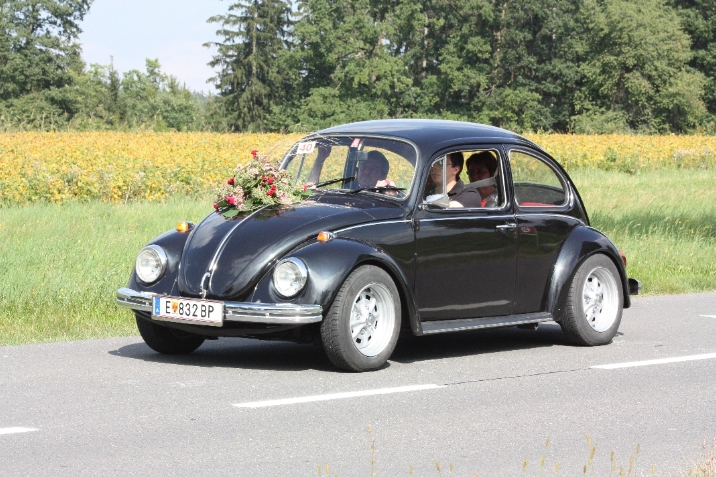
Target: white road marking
[708,316]
[649,362]
[16,430]
[329,397]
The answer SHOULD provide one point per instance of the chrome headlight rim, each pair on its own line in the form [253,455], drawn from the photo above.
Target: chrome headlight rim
[163,259]
[302,272]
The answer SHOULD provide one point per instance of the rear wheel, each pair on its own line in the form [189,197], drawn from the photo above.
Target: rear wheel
[594,304]
[362,326]
[165,340]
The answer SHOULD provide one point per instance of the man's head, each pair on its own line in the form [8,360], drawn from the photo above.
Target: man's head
[455,161]
[375,168]
[481,165]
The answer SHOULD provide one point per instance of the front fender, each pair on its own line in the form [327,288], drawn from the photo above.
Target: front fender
[581,243]
[329,264]
[173,244]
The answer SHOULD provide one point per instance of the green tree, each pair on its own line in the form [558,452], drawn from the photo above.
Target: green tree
[38,45]
[635,69]
[255,33]
[698,18]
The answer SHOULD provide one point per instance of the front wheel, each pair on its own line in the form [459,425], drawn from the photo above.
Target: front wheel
[362,326]
[165,340]
[594,304]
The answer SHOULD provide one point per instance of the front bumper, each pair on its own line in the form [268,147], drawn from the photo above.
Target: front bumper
[269,313]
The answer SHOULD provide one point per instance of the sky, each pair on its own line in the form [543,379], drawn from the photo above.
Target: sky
[172,31]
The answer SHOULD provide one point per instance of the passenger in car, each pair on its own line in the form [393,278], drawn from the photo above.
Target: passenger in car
[459,194]
[482,166]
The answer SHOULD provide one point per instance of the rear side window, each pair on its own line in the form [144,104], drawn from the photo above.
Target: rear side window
[535,183]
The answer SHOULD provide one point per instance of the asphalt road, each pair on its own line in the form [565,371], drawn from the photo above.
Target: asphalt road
[482,401]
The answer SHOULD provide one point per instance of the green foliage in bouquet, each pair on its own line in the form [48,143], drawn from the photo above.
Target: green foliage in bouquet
[256,184]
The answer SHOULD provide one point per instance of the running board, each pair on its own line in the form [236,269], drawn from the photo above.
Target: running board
[447,326]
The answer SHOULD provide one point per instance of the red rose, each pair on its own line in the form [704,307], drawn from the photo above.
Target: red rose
[254,152]
[231,181]
[304,187]
[216,207]
[231,200]
[272,191]
[269,180]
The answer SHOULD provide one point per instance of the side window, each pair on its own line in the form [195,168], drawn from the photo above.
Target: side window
[536,183]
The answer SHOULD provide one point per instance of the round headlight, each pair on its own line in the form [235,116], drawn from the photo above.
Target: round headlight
[151,263]
[289,277]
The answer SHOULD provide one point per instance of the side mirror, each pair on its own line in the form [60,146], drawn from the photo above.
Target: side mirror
[439,201]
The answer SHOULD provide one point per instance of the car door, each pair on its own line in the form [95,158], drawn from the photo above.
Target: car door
[465,258]
[542,201]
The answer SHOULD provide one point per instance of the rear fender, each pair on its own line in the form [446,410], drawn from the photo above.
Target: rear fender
[581,243]
[329,264]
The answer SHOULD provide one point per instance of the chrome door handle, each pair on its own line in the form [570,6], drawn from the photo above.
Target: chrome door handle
[507,227]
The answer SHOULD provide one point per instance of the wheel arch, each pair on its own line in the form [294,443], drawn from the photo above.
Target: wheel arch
[582,243]
[330,264]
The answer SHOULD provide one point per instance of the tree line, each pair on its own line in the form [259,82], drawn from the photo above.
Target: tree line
[586,66]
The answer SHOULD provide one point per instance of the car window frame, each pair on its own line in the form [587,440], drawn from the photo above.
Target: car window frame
[480,211]
[549,162]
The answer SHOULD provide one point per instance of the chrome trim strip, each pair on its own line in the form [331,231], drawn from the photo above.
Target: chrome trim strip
[370,224]
[504,217]
[269,313]
[222,244]
[447,326]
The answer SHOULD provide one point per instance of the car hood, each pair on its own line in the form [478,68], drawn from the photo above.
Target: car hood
[237,252]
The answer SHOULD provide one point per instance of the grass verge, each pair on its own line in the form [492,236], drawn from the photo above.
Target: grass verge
[60,265]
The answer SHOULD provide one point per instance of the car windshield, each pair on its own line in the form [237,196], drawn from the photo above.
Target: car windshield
[356,164]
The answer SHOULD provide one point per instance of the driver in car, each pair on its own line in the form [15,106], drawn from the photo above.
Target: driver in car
[374,170]
[371,173]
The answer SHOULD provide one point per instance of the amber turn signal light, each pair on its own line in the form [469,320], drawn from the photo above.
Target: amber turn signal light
[621,254]
[184,226]
[325,237]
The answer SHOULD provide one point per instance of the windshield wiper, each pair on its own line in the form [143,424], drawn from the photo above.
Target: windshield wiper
[333,181]
[377,189]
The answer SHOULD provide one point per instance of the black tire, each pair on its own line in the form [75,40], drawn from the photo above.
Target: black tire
[593,313]
[165,340]
[382,323]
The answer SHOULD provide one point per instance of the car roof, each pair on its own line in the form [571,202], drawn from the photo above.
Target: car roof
[430,134]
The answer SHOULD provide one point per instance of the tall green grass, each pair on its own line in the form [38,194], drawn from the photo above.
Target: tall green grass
[60,266]
[664,221]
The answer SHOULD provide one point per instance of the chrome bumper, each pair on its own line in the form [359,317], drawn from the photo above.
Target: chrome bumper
[269,313]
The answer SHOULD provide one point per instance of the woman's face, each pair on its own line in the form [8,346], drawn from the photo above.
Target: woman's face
[478,172]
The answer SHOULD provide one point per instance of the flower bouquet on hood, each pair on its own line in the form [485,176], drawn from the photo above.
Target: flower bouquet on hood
[256,184]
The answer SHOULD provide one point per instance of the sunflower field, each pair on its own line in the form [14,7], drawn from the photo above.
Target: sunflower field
[118,167]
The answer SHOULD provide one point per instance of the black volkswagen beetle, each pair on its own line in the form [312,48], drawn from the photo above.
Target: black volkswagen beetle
[423,225]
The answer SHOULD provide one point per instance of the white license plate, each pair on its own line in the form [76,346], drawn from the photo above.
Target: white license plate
[186,310]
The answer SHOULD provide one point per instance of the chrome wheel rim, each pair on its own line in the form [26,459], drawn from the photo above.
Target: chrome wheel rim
[600,298]
[372,319]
